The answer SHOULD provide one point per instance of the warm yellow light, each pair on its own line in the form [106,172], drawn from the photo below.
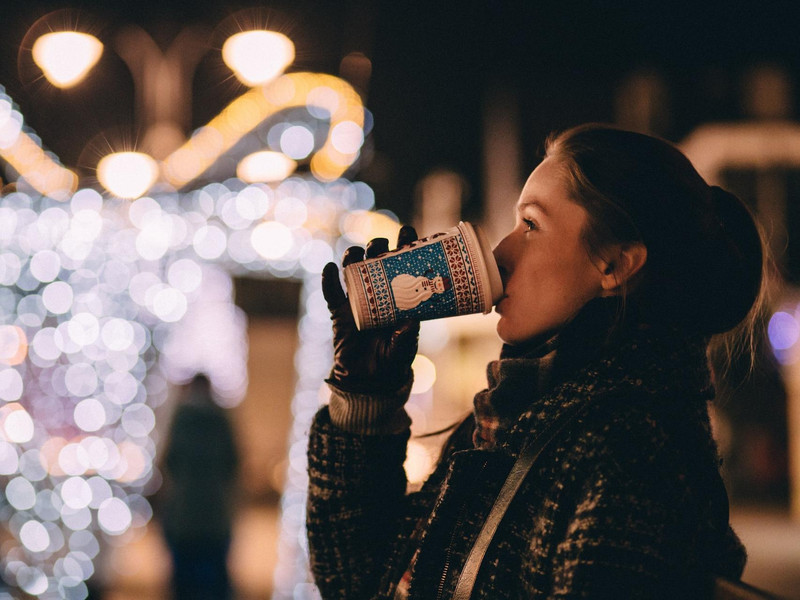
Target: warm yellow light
[259,56]
[34,166]
[127,174]
[419,462]
[363,225]
[250,109]
[65,57]
[424,374]
[265,166]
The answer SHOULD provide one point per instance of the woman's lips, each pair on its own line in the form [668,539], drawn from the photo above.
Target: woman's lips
[499,302]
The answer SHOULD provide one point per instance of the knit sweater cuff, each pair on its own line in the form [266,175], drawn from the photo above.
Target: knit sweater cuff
[370,414]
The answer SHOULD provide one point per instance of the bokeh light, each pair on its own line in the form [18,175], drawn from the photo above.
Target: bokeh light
[65,57]
[424,374]
[265,166]
[258,56]
[127,174]
[106,304]
[783,330]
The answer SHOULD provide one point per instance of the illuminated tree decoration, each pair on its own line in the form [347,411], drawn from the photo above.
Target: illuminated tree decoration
[97,297]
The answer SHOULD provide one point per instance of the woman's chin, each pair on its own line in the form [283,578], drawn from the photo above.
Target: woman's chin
[505,332]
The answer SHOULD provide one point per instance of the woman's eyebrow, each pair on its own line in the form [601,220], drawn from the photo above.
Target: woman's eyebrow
[523,204]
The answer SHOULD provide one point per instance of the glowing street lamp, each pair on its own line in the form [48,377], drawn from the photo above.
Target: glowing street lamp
[65,57]
[257,56]
[127,174]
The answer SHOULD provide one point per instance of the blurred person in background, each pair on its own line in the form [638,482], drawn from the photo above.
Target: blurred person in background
[622,268]
[197,500]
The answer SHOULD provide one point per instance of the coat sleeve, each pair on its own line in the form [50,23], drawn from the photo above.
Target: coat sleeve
[356,502]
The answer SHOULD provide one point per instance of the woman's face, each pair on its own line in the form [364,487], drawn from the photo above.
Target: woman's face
[548,274]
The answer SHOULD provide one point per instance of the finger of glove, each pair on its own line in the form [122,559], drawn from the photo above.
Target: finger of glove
[377,246]
[332,287]
[352,255]
[406,235]
[404,339]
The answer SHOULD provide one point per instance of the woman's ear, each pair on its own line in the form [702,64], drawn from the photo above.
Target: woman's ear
[622,263]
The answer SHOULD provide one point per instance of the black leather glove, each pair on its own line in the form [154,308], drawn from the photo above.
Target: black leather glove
[373,360]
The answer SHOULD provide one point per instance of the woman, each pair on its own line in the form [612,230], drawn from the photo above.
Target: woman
[622,264]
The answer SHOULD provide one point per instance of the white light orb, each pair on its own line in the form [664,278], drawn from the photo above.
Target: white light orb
[66,57]
[58,297]
[34,536]
[86,225]
[83,328]
[257,56]
[117,334]
[265,166]
[86,199]
[297,142]
[73,459]
[18,426]
[89,414]
[10,268]
[185,275]
[81,379]
[76,493]
[424,374]
[209,242]
[120,387]
[20,493]
[114,516]
[76,518]
[11,385]
[9,460]
[347,137]
[32,579]
[127,174]
[271,239]
[101,491]
[45,265]
[253,202]
[84,541]
[169,304]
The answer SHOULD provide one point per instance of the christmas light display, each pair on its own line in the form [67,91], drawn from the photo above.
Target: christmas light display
[93,293]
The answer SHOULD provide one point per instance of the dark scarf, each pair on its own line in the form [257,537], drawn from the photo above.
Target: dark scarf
[598,352]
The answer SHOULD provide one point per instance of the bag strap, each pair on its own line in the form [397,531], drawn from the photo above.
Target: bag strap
[520,469]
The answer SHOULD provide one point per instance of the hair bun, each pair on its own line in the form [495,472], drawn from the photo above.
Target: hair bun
[733,264]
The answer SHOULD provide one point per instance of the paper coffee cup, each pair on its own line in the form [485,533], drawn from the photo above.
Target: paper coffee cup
[442,275]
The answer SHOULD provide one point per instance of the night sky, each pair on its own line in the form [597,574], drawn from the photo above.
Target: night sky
[434,66]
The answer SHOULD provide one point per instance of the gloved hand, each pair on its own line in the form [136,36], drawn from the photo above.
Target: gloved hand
[373,360]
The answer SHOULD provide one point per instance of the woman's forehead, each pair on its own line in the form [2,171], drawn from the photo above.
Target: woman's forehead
[545,188]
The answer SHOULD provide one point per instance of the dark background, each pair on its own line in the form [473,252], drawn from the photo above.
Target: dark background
[434,65]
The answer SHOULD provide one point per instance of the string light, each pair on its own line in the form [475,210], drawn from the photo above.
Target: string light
[36,168]
[324,96]
[99,301]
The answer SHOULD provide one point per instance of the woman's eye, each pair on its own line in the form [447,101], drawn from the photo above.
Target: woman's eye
[529,225]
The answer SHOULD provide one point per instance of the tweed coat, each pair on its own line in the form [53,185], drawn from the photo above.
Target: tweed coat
[628,503]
